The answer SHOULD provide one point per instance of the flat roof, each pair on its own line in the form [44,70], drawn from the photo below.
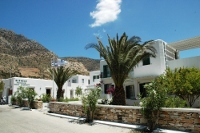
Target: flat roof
[186,44]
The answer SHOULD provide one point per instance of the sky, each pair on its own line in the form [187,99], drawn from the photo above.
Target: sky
[67,26]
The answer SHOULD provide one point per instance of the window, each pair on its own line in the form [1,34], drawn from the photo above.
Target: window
[95,77]
[82,80]
[74,81]
[88,81]
[130,92]
[106,71]
[146,61]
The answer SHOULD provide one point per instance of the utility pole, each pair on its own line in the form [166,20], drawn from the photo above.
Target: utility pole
[52,66]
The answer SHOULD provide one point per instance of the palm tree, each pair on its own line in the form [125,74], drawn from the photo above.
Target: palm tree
[61,75]
[121,56]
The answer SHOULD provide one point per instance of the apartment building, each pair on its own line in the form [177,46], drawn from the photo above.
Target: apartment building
[167,56]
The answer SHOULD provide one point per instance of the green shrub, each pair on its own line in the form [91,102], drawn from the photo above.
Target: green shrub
[151,105]
[25,93]
[89,101]
[13,100]
[73,99]
[46,98]
[175,102]
[68,100]
[19,100]
[78,91]
[184,83]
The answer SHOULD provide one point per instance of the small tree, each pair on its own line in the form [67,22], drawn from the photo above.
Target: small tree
[184,83]
[78,91]
[151,105]
[25,93]
[19,95]
[89,101]
[30,95]
[61,75]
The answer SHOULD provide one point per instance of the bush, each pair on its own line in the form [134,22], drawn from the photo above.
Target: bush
[19,96]
[89,101]
[25,93]
[46,98]
[73,99]
[78,91]
[19,100]
[175,102]
[13,100]
[151,105]
[184,83]
[68,100]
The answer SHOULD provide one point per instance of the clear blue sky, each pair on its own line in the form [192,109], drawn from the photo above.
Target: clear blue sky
[67,26]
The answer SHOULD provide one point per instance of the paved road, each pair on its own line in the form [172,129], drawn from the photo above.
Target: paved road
[15,120]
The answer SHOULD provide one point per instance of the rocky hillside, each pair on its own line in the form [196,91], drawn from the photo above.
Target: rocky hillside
[90,64]
[27,58]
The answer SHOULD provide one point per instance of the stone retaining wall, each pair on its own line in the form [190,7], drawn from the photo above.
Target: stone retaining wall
[171,118]
[36,104]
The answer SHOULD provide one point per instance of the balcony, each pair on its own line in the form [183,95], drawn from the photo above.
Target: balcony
[185,62]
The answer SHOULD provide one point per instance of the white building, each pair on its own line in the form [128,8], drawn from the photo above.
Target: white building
[42,86]
[167,56]
[94,79]
[82,81]
[75,81]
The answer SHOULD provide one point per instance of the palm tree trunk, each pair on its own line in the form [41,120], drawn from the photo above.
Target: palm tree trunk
[59,94]
[119,96]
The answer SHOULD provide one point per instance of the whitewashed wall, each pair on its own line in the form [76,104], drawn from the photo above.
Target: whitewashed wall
[157,65]
[39,85]
[69,86]
[93,82]
[185,62]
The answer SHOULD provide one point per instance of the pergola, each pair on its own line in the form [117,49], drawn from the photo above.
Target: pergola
[186,44]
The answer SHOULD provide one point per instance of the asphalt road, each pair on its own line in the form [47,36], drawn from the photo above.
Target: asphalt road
[15,120]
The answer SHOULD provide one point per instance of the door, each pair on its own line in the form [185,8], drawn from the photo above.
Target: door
[71,94]
[143,92]
[48,92]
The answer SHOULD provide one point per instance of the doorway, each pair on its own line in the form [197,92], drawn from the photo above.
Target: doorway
[71,94]
[48,92]
[143,91]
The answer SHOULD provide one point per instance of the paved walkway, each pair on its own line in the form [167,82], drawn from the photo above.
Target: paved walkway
[16,120]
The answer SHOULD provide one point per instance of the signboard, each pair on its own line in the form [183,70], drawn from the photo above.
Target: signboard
[21,82]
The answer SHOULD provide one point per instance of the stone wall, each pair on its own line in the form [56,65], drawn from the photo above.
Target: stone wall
[36,104]
[171,118]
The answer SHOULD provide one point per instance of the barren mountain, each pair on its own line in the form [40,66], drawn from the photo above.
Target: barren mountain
[27,58]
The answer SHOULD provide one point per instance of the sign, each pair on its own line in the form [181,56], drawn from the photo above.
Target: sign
[21,82]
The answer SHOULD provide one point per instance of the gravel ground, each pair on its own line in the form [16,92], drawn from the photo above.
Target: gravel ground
[15,120]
